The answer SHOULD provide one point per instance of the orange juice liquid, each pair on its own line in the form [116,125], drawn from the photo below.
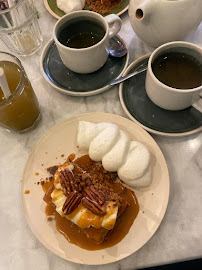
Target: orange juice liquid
[20,111]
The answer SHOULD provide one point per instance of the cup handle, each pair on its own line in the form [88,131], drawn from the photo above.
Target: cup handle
[115,24]
[198,104]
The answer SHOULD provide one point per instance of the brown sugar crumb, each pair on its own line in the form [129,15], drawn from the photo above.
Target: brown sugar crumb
[143,212]
[38,183]
[36,173]
[42,164]
[52,169]
[49,218]
[102,6]
[27,191]
[152,194]
[46,152]
[88,172]
[77,146]
[62,155]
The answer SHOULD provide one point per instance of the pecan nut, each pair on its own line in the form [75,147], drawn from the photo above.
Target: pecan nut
[71,203]
[94,195]
[67,181]
[93,206]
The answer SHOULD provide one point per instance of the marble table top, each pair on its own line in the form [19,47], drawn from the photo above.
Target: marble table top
[179,236]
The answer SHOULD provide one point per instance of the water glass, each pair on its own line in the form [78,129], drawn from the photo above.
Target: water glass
[19,28]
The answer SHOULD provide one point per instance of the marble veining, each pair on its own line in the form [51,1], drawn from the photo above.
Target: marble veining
[178,238]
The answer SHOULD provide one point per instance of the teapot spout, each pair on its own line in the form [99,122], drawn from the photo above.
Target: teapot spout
[144,9]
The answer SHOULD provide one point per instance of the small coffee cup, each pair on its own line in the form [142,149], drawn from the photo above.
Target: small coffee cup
[82,38]
[174,74]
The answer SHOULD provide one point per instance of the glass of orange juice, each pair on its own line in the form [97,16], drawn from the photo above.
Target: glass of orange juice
[20,111]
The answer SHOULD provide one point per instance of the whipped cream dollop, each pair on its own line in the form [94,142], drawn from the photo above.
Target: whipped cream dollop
[113,160]
[103,142]
[112,146]
[136,171]
[87,131]
[70,5]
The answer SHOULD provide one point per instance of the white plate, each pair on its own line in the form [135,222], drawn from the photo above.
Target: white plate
[61,139]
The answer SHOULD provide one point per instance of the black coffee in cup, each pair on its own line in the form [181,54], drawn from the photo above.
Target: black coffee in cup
[178,70]
[81,33]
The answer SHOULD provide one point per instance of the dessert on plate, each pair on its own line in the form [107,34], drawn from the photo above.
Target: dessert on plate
[91,209]
[91,205]
[99,6]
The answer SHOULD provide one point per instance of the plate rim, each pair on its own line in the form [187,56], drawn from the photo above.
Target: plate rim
[74,118]
[50,10]
[77,94]
[153,131]
[58,17]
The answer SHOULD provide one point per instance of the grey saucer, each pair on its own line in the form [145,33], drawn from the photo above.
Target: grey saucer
[143,111]
[71,83]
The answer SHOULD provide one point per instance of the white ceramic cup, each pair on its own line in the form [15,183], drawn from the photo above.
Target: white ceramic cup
[90,59]
[165,96]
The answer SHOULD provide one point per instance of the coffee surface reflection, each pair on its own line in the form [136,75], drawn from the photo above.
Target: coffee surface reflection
[178,70]
[81,33]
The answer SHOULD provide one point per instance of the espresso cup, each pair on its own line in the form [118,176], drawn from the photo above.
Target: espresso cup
[167,95]
[82,39]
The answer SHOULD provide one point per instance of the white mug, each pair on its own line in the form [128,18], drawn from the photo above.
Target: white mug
[90,59]
[167,97]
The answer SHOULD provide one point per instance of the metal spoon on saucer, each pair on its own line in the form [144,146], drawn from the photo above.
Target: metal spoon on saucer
[117,47]
[121,79]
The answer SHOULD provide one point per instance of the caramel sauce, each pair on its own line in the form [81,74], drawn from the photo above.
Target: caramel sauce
[47,185]
[71,157]
[76,235]
[87,218]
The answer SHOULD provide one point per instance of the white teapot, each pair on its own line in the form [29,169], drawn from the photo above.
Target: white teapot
[160,21]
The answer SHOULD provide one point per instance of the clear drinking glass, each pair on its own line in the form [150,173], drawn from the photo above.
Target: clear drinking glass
[20,111]
[19,28]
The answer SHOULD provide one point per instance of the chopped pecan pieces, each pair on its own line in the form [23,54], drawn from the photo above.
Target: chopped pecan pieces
[67,181]
[71,203]
[93,206]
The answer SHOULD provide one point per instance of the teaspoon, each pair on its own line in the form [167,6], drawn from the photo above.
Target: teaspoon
[117,47]
[121,79]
